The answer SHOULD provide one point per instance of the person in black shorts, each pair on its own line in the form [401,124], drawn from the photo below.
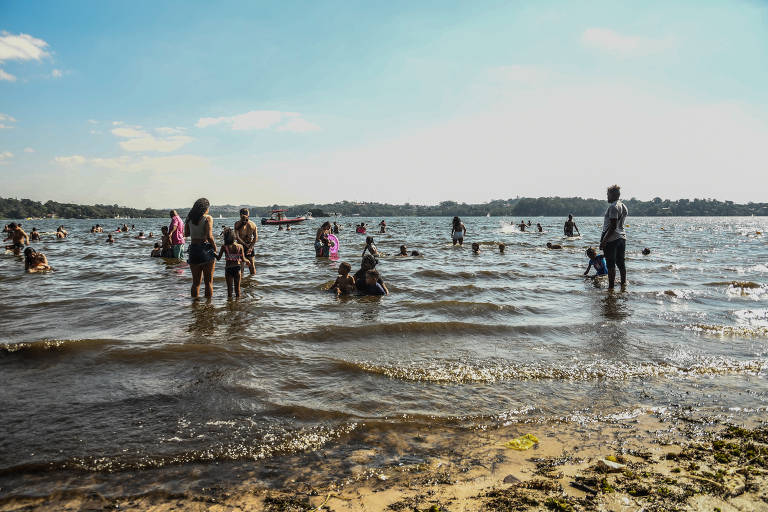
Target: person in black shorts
[613,241]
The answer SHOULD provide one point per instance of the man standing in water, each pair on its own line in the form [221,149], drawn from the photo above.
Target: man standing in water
[18,237]
[613,240]
[570,226]
[176,235]
[247,234]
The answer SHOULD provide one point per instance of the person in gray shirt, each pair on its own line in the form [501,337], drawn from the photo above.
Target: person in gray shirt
[613,240]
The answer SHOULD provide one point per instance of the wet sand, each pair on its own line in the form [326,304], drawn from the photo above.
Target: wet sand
[653,462]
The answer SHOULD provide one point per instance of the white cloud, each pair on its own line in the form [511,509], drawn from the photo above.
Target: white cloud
[129,132]
[29,150]
[297,124]
[21,47]
[162,164]
[93,121]
[5,156]
[7,76]
[261,120]
[619,44]
[4,120]
[70,160]
[57,73]
[141,140]
[117,123]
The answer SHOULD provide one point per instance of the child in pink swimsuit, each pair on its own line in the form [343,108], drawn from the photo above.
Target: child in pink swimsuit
[234,256]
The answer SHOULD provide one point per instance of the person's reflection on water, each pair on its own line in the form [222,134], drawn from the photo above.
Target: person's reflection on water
[203,318]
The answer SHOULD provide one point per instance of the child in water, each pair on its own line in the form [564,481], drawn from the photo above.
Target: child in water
[550,245]
[370,247]
[35,261]
[110,239]
[502,246]
[157,251]
[597,261]
[235,256]
[403,251]
[345,283]
[373,284]
[475,247]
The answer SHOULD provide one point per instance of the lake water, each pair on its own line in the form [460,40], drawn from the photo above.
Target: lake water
[113,379]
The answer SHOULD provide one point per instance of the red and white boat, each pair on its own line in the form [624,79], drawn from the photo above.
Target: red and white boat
[278,217]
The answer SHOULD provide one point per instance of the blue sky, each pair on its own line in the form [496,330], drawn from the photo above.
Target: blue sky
[158,103]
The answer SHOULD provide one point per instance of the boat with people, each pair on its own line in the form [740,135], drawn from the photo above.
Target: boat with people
[278,218]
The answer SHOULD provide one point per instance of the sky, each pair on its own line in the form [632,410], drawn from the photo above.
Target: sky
[154,104]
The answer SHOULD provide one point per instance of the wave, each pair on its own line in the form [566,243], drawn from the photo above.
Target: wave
[405,329]
[468,307]
[736,284]
[273,444]
[729,330]
[43,346]
[462,373]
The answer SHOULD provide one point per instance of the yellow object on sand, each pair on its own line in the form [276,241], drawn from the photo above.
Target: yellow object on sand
[522,442]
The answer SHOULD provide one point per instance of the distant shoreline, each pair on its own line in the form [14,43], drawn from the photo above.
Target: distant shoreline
[20,209]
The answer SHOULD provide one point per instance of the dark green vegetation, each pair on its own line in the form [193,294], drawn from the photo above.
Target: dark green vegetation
[23,208]
[518,207]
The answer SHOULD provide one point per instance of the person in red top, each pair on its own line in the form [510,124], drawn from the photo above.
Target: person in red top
[176,234]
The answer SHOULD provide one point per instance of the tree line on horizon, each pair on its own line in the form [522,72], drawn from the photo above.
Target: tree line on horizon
[518,207]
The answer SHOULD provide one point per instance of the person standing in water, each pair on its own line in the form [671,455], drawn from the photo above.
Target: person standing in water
[202,246]
[176,235]
[613,241]
[382,226]
[458,230]
[247,234]
[569,226]
[18,238]
[322,243]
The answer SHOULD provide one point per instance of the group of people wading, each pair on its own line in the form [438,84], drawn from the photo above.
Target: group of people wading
[238,248]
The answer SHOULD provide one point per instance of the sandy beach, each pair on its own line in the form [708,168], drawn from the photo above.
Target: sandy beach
[647,463]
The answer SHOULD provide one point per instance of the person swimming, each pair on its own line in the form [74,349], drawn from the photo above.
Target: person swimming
[403,251]
[597,261]
[34,236]
[141,236]
[646,251]
[157,252]
[502,246]
[61,232]
[538,226]
[475,247]
[110,239]
[550,245]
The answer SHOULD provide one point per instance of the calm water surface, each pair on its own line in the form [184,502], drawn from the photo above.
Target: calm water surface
[107,367]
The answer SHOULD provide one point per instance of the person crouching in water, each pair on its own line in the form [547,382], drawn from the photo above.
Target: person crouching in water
[234,256]
[502,246]
[157,251]
[345,283]
[597,261]
[403,251]
[475,247]
[35,261]
[374,284]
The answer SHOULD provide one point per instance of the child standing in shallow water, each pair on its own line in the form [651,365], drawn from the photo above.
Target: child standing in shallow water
[234,256]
